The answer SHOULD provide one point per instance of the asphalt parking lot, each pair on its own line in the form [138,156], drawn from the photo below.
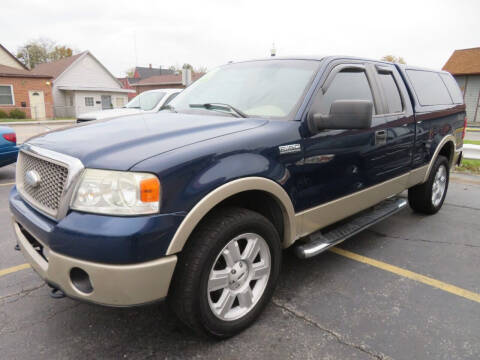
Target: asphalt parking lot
[358,302]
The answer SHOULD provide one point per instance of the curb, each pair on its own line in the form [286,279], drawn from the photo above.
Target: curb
[38,122]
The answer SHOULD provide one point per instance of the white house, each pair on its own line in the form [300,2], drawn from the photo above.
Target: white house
[82,84]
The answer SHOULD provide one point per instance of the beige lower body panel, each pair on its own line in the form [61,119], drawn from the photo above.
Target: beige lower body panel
[113,285]
[316,218]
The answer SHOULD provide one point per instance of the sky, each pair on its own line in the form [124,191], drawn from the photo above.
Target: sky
[122,34]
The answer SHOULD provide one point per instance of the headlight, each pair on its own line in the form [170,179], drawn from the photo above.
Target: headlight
[117,193]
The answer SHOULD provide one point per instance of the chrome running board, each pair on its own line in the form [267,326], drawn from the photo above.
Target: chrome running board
[324,239]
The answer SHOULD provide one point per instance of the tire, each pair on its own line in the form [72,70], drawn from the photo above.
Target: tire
[210,260]
[428,198]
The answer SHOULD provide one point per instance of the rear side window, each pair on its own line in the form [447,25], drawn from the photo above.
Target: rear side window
[429,88]
[347,85]
[390,90]
[453,88]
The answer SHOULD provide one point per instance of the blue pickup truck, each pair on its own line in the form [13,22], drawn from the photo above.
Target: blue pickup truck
[194,204]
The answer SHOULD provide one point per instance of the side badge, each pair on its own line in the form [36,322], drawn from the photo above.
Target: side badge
[289,149]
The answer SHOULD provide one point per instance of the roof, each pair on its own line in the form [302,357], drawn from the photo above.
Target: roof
[55,68]
[13,57]
[145,72]
[7,71]
[99,89]
[166,79]
[464,62]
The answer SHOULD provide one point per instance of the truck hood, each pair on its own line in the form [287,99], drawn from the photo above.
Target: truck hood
[119,144]
[106,114]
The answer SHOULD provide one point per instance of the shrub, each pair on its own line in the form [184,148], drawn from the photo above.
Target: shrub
[3,114]
[18,114]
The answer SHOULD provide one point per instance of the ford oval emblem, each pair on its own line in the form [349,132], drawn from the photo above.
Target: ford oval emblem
[32,178]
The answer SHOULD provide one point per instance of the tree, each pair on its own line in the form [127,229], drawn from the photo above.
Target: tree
[40,51]
[394,59]
[60,52]
[130,72]
[200,69]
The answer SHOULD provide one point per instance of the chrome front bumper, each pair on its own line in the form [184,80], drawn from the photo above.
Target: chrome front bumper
[112,285]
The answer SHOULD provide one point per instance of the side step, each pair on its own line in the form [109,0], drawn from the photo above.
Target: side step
[333,235]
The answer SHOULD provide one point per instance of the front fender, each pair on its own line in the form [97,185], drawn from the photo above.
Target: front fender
[227,190]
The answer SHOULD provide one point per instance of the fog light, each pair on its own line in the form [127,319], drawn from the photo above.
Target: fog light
[81,280]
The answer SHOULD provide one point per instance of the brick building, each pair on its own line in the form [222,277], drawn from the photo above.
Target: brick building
[22,90]
[141,73]
[171,81]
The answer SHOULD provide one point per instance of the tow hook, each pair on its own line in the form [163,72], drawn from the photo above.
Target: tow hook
[56,293]
[17,247]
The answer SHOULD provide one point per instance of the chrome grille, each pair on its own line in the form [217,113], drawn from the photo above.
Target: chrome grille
[53,178]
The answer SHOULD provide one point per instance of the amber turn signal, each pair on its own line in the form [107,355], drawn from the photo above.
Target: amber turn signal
[150,190]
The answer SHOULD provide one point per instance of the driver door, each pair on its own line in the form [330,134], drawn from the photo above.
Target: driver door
[338,163]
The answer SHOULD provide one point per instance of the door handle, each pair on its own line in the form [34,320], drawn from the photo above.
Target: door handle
[380,137]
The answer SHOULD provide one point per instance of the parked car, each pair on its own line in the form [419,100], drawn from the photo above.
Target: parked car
[8,146]
[147,102]
[195,203]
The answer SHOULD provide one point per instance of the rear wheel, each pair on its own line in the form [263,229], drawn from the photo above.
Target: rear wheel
[227,272]
[428,197]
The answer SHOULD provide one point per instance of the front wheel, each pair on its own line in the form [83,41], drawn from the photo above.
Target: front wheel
[428,197]
[227,272]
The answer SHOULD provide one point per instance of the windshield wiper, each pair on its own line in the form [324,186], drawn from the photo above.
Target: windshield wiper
[220,106]
[133,107]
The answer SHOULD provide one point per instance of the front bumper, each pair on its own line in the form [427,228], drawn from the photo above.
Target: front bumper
[112,285]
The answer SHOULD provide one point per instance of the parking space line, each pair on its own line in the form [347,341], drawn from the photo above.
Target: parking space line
[7,184]
[14,269]
[408,274]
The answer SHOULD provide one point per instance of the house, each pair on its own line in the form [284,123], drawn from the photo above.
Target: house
[82,84]
[464,65]
[22,90]
[141,73]
[167,81]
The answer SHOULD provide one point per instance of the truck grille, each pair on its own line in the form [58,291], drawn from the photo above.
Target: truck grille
[47,195]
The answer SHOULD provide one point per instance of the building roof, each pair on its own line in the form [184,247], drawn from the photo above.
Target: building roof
[172,79]
[55,68]
[13,57]
[7,71]
[145,72]
[96,89]
[464,62]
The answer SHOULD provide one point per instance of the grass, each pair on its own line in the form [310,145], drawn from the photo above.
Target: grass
[469,165]
[473,142]
[18,120]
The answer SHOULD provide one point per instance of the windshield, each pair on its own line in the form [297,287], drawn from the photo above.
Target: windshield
[270,88]
[146,101]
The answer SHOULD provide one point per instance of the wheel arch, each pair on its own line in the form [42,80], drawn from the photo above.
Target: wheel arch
[229,192]
[445,147]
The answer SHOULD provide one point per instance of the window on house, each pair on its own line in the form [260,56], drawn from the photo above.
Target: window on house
[120,102]
[6,95]
[429,88]
[89,101]
[347,85]
[390,90]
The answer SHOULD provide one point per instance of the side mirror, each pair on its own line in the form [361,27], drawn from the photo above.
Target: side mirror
[344,114]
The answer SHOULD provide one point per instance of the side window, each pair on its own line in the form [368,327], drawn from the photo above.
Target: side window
[453,88]
[429,88]
[390,90]
[347,85]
